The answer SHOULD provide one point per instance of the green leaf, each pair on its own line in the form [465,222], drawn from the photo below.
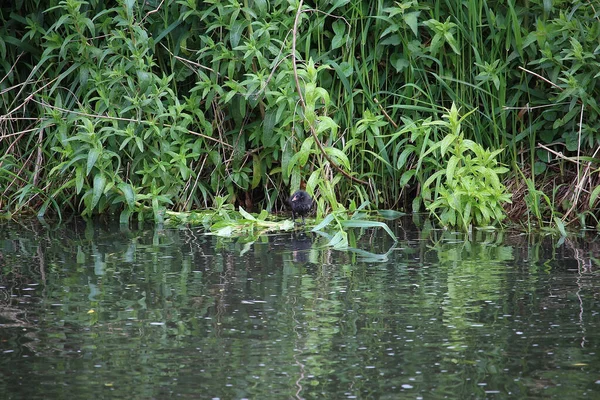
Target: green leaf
[337,41]
[339,240]
[256,171]
[412,20]
[368,224]
[539,167]
[399,62]
[339,156]
[246,214]
[408,150]
[92,158]
[560,225]
[406,176]
[261,5]
[235,34]
[124,216]
[313,180]
[451,167]
[305,151]
[326,221]
[594,195]
[326,123]
[391,214]
[98,190]
[128,193]
[79,179]
[226,231]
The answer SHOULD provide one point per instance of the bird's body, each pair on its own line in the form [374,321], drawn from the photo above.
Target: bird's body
[301,204]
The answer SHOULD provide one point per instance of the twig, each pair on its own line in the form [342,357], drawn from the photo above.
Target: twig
[303,104]
[541,77]
[152,11]
[30,97]
[10,70]
[38,161]
[385,113]
[186,61]
[580,179]
[528,107]
[559,154]
[7,135]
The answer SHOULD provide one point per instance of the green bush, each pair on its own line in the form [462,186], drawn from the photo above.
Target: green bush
[468,189]
[134,107]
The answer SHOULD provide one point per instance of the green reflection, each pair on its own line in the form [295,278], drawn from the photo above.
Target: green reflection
[93,310]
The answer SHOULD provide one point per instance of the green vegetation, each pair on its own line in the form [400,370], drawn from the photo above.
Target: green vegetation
[136,108]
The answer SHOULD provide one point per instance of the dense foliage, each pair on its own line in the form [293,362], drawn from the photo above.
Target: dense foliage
[133,107]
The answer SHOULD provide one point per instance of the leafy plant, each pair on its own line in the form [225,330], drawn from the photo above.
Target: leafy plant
[134,108]
[468,190]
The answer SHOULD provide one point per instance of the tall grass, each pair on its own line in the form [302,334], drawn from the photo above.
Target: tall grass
[137,106]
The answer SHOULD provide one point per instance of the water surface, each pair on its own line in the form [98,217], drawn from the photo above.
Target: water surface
[102,311]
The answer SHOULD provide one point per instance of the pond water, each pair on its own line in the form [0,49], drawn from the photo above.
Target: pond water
[103,311]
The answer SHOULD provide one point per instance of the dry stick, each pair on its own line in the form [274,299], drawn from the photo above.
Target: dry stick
[385,113]
[38,161]
[33,71]
[541,77]
[586,173]
[579,142]
[14,143]
[8,89]
[18,174]
[27,99]
[312,128]
[19,133]
[152,12]
[186,61]
[528,107]
[580,179]
[10,70]
[196,185]
[559,154]
[43,190]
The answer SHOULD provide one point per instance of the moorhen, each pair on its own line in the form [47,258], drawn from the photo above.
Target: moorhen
[301,204]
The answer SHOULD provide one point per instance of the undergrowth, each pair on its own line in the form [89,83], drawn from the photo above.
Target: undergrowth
[136,108]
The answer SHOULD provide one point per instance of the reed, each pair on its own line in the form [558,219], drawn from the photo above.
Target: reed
[138,107]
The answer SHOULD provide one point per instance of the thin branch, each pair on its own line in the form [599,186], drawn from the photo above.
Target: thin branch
[30,97]
[528,107]
[153,11]
[385,113]
[541,77]
[39,160]
[7,135]
[559,154]
[186,61]
[10,70]
[586,173]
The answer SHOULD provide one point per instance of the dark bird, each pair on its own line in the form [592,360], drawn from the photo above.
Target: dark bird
[301,204]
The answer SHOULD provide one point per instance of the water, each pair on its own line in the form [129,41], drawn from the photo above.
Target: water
[98,311]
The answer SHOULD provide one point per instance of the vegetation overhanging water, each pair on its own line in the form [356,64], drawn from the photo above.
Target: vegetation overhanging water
[135,107]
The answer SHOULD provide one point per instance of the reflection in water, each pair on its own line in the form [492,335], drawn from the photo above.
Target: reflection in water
[89,308]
